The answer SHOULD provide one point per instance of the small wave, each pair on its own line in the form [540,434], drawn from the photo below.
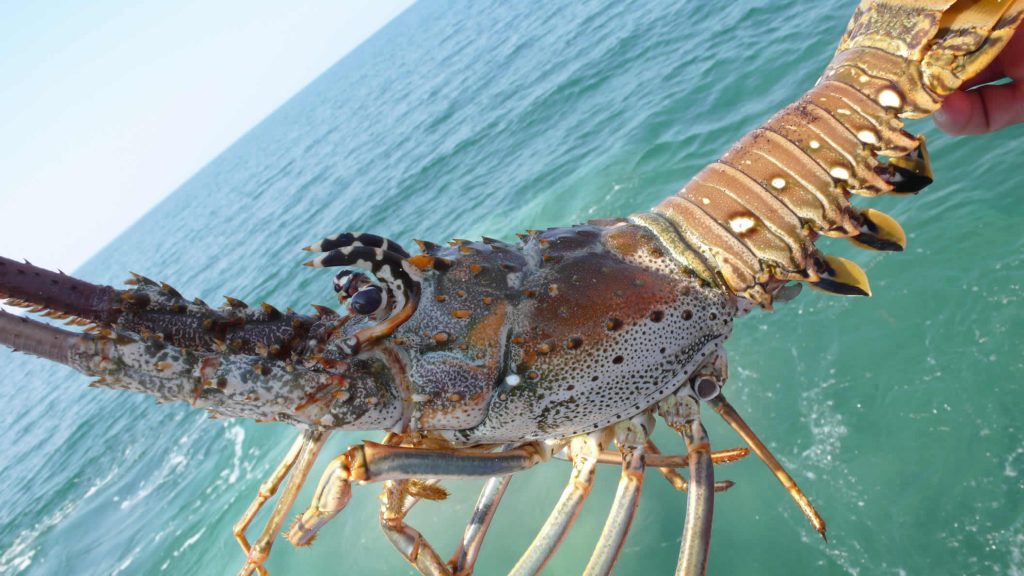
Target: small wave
[1011,468]
[127,561]
[236,434]
[174,464]
[190,541]
[826,426]
[100,483]
[19,556]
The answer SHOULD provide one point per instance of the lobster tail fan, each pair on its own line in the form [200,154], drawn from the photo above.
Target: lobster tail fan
[912,54]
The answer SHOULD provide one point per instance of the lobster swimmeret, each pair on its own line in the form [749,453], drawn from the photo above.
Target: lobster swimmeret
[481,359]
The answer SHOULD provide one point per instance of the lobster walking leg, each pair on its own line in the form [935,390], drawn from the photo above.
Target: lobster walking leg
[679,482]
[631,436]
[584,451]
[700,501]
[267,490]
[682,413]
[406,539]
[464,558]
[373,462]
[729,414]
[312,441]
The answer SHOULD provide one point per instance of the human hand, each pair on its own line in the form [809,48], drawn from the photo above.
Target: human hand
[988,108]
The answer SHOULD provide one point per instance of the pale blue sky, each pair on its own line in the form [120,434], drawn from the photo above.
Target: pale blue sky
[107,106]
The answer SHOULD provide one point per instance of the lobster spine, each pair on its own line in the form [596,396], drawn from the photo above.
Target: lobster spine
[748,222]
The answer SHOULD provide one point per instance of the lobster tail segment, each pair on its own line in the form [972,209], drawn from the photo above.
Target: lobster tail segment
[924,49]
[748,222]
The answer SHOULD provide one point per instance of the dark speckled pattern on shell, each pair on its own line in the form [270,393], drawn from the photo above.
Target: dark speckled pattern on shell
[559,335]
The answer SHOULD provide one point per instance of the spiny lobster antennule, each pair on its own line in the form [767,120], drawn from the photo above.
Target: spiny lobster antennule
[401,280]
[347,239]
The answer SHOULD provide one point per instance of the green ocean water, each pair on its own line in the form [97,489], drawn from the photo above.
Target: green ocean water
[899,415]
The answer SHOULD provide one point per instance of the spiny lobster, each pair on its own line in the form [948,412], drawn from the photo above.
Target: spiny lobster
[482,359]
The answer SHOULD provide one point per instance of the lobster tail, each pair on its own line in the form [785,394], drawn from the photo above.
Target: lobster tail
[748,222]
[925,50]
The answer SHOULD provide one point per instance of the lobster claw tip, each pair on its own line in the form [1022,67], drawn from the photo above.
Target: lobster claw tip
[879,231]
[843,277]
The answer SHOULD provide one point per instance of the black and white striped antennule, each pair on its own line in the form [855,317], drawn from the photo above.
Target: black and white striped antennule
[348,282]
[400,281]
[346,239]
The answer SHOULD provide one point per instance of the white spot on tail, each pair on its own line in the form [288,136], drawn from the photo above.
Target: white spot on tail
[889,99]
[815,144]
[867,137]
[742,224]
[839,173]
[778,183]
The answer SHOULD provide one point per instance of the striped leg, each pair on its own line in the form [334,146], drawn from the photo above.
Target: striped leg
[631,436]
[700,502]
[584,451]
[681,412]
[462,562]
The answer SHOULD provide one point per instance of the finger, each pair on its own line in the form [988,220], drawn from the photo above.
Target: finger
[993,72]
[983,110]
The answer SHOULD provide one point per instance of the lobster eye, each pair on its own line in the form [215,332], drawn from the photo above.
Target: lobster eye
[368,300]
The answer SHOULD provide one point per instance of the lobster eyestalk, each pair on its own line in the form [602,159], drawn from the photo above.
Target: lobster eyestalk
[355,395]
